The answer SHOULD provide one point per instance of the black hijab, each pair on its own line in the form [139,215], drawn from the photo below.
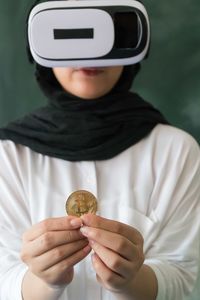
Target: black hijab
[74,129]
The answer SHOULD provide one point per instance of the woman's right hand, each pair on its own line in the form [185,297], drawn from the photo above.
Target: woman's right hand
[52,247]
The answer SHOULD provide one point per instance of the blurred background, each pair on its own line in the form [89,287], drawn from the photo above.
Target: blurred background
[169,79]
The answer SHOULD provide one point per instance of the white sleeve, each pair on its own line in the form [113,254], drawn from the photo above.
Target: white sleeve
[174,252]
[14,220]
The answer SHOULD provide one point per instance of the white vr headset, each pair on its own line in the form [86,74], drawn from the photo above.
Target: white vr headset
[88,33]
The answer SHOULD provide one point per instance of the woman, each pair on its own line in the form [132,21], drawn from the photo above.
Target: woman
[95,135]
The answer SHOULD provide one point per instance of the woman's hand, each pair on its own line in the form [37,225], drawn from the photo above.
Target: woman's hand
[52,247]
[118,252]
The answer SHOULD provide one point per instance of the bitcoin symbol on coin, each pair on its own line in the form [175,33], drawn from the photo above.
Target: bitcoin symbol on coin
[81,202]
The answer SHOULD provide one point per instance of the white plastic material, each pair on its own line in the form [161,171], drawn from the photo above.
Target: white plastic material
[47,16]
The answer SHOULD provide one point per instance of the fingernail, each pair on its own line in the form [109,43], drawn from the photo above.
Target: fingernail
[84,230]
[91,242]
[76,222]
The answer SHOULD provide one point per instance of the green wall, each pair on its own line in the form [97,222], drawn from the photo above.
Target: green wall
[169,78]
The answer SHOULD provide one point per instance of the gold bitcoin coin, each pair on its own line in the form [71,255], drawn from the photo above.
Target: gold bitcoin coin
[81,202]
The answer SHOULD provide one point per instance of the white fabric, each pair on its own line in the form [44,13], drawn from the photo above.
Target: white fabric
[153,186]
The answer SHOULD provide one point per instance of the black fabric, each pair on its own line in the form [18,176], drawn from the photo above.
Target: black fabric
[74,129]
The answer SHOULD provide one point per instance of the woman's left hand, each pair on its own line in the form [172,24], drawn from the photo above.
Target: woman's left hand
[118,251]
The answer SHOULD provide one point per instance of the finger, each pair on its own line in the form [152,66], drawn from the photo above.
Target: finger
[113,241]
[56,255]
[52,224]
[65,265]
[113,261]
[104,275]
[113,226]
[48,241]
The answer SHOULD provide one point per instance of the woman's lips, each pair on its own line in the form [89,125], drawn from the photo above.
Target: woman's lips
[90,71]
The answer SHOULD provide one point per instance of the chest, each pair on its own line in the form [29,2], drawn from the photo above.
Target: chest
[123,188]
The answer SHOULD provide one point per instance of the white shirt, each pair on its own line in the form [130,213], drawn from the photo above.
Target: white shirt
[153,186]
